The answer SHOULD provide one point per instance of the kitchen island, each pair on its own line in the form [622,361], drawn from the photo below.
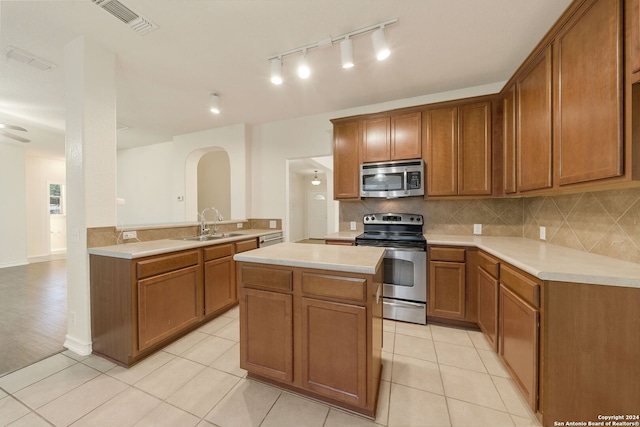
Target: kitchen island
[311,321]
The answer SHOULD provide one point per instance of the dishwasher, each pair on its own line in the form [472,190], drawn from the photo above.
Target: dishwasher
[270,239]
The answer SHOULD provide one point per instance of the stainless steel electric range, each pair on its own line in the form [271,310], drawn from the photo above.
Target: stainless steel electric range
[405,263]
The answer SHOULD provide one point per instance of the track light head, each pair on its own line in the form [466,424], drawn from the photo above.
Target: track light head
[214,103]
[303,66]
[346,52]
[276,71]
[380,44]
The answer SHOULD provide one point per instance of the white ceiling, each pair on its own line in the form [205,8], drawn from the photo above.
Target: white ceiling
[164,77]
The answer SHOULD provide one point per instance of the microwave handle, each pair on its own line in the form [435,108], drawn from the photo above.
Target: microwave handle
[406,183]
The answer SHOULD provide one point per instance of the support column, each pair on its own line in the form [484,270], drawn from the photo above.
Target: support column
[91,172]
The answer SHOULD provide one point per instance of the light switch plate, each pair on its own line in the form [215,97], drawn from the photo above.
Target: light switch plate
[543,233]
[477,228]
[352,226]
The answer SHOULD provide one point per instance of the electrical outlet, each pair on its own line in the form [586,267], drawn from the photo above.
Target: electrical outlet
[272,224]
[352,225]
[477,228]
[239,225]
[72,318]
[129,235]
[543,233]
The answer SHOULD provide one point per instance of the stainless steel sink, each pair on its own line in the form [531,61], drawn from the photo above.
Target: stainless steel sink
[208,237]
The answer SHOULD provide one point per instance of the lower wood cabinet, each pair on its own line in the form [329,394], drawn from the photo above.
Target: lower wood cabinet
[335,332]
[316,332]
[167,304]
[219,279]
[447,283]
[140,305]
[519,331]
[488,297]
[267,331]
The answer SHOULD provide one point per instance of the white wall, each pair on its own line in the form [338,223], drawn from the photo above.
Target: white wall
[40,172]
[13,220]
[145,182]
[151,179]
[297,207]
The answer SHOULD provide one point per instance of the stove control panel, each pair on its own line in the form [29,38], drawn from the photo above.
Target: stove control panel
[393,218]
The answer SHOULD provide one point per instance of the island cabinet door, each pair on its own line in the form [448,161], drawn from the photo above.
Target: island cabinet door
[266,334]
[334,350]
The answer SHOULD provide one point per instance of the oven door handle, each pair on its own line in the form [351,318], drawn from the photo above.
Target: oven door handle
[405,249]
[403,304]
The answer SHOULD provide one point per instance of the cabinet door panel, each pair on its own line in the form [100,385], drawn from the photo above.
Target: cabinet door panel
[474,149]
[346,161]
[376,139]
[166,304]
[442,151]
[519,343]
[406,136]
[534,134]
[334,345]
[266,334]
[219,285]
[446,289]
[589,115]
[488,306]
[509,148]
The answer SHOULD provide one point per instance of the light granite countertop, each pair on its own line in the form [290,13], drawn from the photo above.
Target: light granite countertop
[352,259]
[157,247]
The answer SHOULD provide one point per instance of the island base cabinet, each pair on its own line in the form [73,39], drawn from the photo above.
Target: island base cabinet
[167,304]
[519,343]
[266,329]
[335,332]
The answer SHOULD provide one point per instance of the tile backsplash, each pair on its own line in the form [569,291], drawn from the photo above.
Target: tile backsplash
[603,222]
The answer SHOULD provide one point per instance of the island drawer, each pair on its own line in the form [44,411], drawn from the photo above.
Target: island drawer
[489,264]
[266,278]
[159,265]
[325,285]
[446,254]
[218,251]
[525,287]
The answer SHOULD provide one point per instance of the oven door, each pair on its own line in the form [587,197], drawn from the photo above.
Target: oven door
[405,274]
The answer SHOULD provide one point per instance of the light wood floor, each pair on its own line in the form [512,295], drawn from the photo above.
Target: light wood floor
[33,313]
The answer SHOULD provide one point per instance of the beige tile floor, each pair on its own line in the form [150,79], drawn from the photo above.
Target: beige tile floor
[432,376]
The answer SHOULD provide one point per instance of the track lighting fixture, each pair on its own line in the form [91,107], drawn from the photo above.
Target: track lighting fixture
[378,38]
[380,44]
[214,103]
[346,52]
[276,71]
[303,66]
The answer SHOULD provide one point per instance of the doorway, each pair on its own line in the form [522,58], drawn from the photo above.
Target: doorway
[57,219]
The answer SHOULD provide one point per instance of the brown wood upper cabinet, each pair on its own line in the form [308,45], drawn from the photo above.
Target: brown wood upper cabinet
[397,137]
[509,142]
[534,133]
[458,150]
[632,38]
[589,139]
[346,160]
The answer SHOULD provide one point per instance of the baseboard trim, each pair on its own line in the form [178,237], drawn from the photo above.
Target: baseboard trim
[77,346]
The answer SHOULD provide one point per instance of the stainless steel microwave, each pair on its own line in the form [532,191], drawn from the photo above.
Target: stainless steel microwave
[389,180]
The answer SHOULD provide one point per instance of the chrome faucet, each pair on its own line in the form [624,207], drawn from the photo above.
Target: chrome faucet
[203,226]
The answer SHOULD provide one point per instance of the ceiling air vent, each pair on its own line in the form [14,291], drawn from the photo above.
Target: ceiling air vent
[136,22]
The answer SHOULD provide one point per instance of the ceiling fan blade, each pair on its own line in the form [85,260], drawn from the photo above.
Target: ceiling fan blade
[12,136]
[12,127]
